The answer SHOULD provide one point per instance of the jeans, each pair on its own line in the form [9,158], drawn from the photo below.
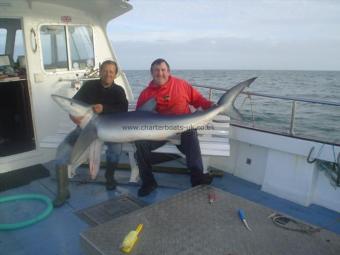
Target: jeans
[189,147]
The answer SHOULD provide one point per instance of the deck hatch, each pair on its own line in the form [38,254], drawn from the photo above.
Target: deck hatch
[109,210]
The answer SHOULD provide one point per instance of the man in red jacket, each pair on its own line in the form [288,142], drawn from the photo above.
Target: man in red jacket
[173,97]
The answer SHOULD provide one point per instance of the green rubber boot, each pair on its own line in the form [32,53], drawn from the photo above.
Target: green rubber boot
[110,183]
[62,182]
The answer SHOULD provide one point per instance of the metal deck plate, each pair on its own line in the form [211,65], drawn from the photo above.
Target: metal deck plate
[110,209]
[187,224]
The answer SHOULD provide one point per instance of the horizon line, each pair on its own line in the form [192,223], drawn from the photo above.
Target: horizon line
[210,69]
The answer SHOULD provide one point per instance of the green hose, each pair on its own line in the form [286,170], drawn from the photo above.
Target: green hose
[39,217]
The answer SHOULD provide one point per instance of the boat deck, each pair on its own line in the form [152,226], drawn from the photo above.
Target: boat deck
[60,232]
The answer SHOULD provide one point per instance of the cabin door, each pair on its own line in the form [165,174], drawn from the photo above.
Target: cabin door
[59,56]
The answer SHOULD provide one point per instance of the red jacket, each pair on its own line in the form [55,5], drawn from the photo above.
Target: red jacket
[174,97]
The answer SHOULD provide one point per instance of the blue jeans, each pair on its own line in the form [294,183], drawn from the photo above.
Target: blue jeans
[113,152]
[63,156]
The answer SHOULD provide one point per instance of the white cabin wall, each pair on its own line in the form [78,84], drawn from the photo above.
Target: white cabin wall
[106,52]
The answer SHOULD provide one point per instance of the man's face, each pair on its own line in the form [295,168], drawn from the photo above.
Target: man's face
[108,74]
[160,74]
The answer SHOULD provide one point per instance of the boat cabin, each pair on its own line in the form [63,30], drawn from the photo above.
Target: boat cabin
[47,47]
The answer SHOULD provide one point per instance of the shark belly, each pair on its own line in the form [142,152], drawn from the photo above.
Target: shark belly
[134,126]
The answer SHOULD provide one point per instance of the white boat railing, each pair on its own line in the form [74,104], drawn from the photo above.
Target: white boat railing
[291,99]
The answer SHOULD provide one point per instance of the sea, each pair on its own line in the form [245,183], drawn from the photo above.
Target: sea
[314,121]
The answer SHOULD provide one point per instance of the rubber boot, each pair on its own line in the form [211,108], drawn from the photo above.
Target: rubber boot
[62,184]
[111,183]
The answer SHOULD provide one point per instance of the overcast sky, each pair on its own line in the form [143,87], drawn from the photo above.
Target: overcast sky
[234,34]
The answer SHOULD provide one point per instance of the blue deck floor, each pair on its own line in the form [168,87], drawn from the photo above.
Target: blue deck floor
[59,233]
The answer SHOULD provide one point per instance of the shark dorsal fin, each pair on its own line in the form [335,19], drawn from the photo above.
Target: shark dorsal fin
[148,106]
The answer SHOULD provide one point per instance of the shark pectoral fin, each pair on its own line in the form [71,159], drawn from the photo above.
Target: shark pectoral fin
[234,113]
[75,164]
[95,152]
[86,137]
[148,106]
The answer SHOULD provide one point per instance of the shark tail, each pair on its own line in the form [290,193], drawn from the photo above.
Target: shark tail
[235,91]
[228,99]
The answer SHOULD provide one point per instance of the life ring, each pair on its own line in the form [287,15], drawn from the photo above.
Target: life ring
[39,217]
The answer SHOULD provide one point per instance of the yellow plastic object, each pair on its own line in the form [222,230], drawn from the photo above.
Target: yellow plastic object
[131,239]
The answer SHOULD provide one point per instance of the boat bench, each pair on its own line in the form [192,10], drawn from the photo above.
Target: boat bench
[213,140]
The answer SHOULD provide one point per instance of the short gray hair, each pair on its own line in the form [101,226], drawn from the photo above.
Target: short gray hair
[108,62]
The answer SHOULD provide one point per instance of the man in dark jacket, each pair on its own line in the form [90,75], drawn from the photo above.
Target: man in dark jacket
[105,97]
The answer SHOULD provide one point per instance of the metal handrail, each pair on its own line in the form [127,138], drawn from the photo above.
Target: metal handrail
[287,98]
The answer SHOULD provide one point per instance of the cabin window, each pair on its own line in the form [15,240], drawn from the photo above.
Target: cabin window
[11,41]
[81,44]
[3,36]
[54,50]
[19,49]
[54,47]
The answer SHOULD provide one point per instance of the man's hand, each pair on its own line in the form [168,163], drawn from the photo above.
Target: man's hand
[76,120]
[97,108]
